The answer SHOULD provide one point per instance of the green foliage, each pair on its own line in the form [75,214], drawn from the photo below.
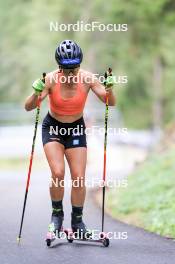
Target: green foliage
[149,195]
[27,48]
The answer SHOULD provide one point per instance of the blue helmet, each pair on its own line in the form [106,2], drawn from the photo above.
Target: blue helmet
[68,54]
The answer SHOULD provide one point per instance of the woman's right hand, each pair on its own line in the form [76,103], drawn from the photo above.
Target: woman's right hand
[41,88]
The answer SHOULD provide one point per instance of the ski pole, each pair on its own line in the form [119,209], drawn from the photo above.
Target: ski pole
[105,146]
[30,162]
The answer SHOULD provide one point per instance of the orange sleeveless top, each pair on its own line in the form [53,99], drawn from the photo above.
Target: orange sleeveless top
[69,106]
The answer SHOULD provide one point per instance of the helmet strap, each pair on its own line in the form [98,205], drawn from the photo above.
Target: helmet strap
[60,69]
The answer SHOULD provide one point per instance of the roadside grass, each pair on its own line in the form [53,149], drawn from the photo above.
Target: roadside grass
[149,199]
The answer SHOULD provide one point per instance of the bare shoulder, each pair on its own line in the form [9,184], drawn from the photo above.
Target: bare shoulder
[51,78]
[87,73]
[89,78]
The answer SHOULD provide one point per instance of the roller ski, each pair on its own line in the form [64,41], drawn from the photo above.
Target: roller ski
[79,232]
[55,229]
[87,237]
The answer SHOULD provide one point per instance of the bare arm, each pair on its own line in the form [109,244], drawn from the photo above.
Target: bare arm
[100,91]
[31,101]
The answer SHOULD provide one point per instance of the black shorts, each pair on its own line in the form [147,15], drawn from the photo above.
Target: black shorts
[71,135]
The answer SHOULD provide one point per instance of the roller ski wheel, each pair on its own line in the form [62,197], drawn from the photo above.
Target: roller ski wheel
[106,242]
[51,236]
[104,239]
[48,242]
[70,240]
[69,235]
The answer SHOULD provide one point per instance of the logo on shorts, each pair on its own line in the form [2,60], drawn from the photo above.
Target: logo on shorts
[76,142]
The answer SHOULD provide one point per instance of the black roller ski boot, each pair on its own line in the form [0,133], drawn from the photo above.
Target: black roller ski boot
[78,227]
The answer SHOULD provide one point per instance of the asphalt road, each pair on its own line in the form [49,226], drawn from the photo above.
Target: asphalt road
[140,246]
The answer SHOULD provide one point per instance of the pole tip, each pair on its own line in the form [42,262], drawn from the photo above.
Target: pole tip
[18,240]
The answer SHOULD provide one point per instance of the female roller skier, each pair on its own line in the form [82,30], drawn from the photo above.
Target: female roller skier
[67,99]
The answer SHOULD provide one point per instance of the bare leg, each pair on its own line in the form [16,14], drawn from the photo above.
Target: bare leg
[77,158]
[55,155]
